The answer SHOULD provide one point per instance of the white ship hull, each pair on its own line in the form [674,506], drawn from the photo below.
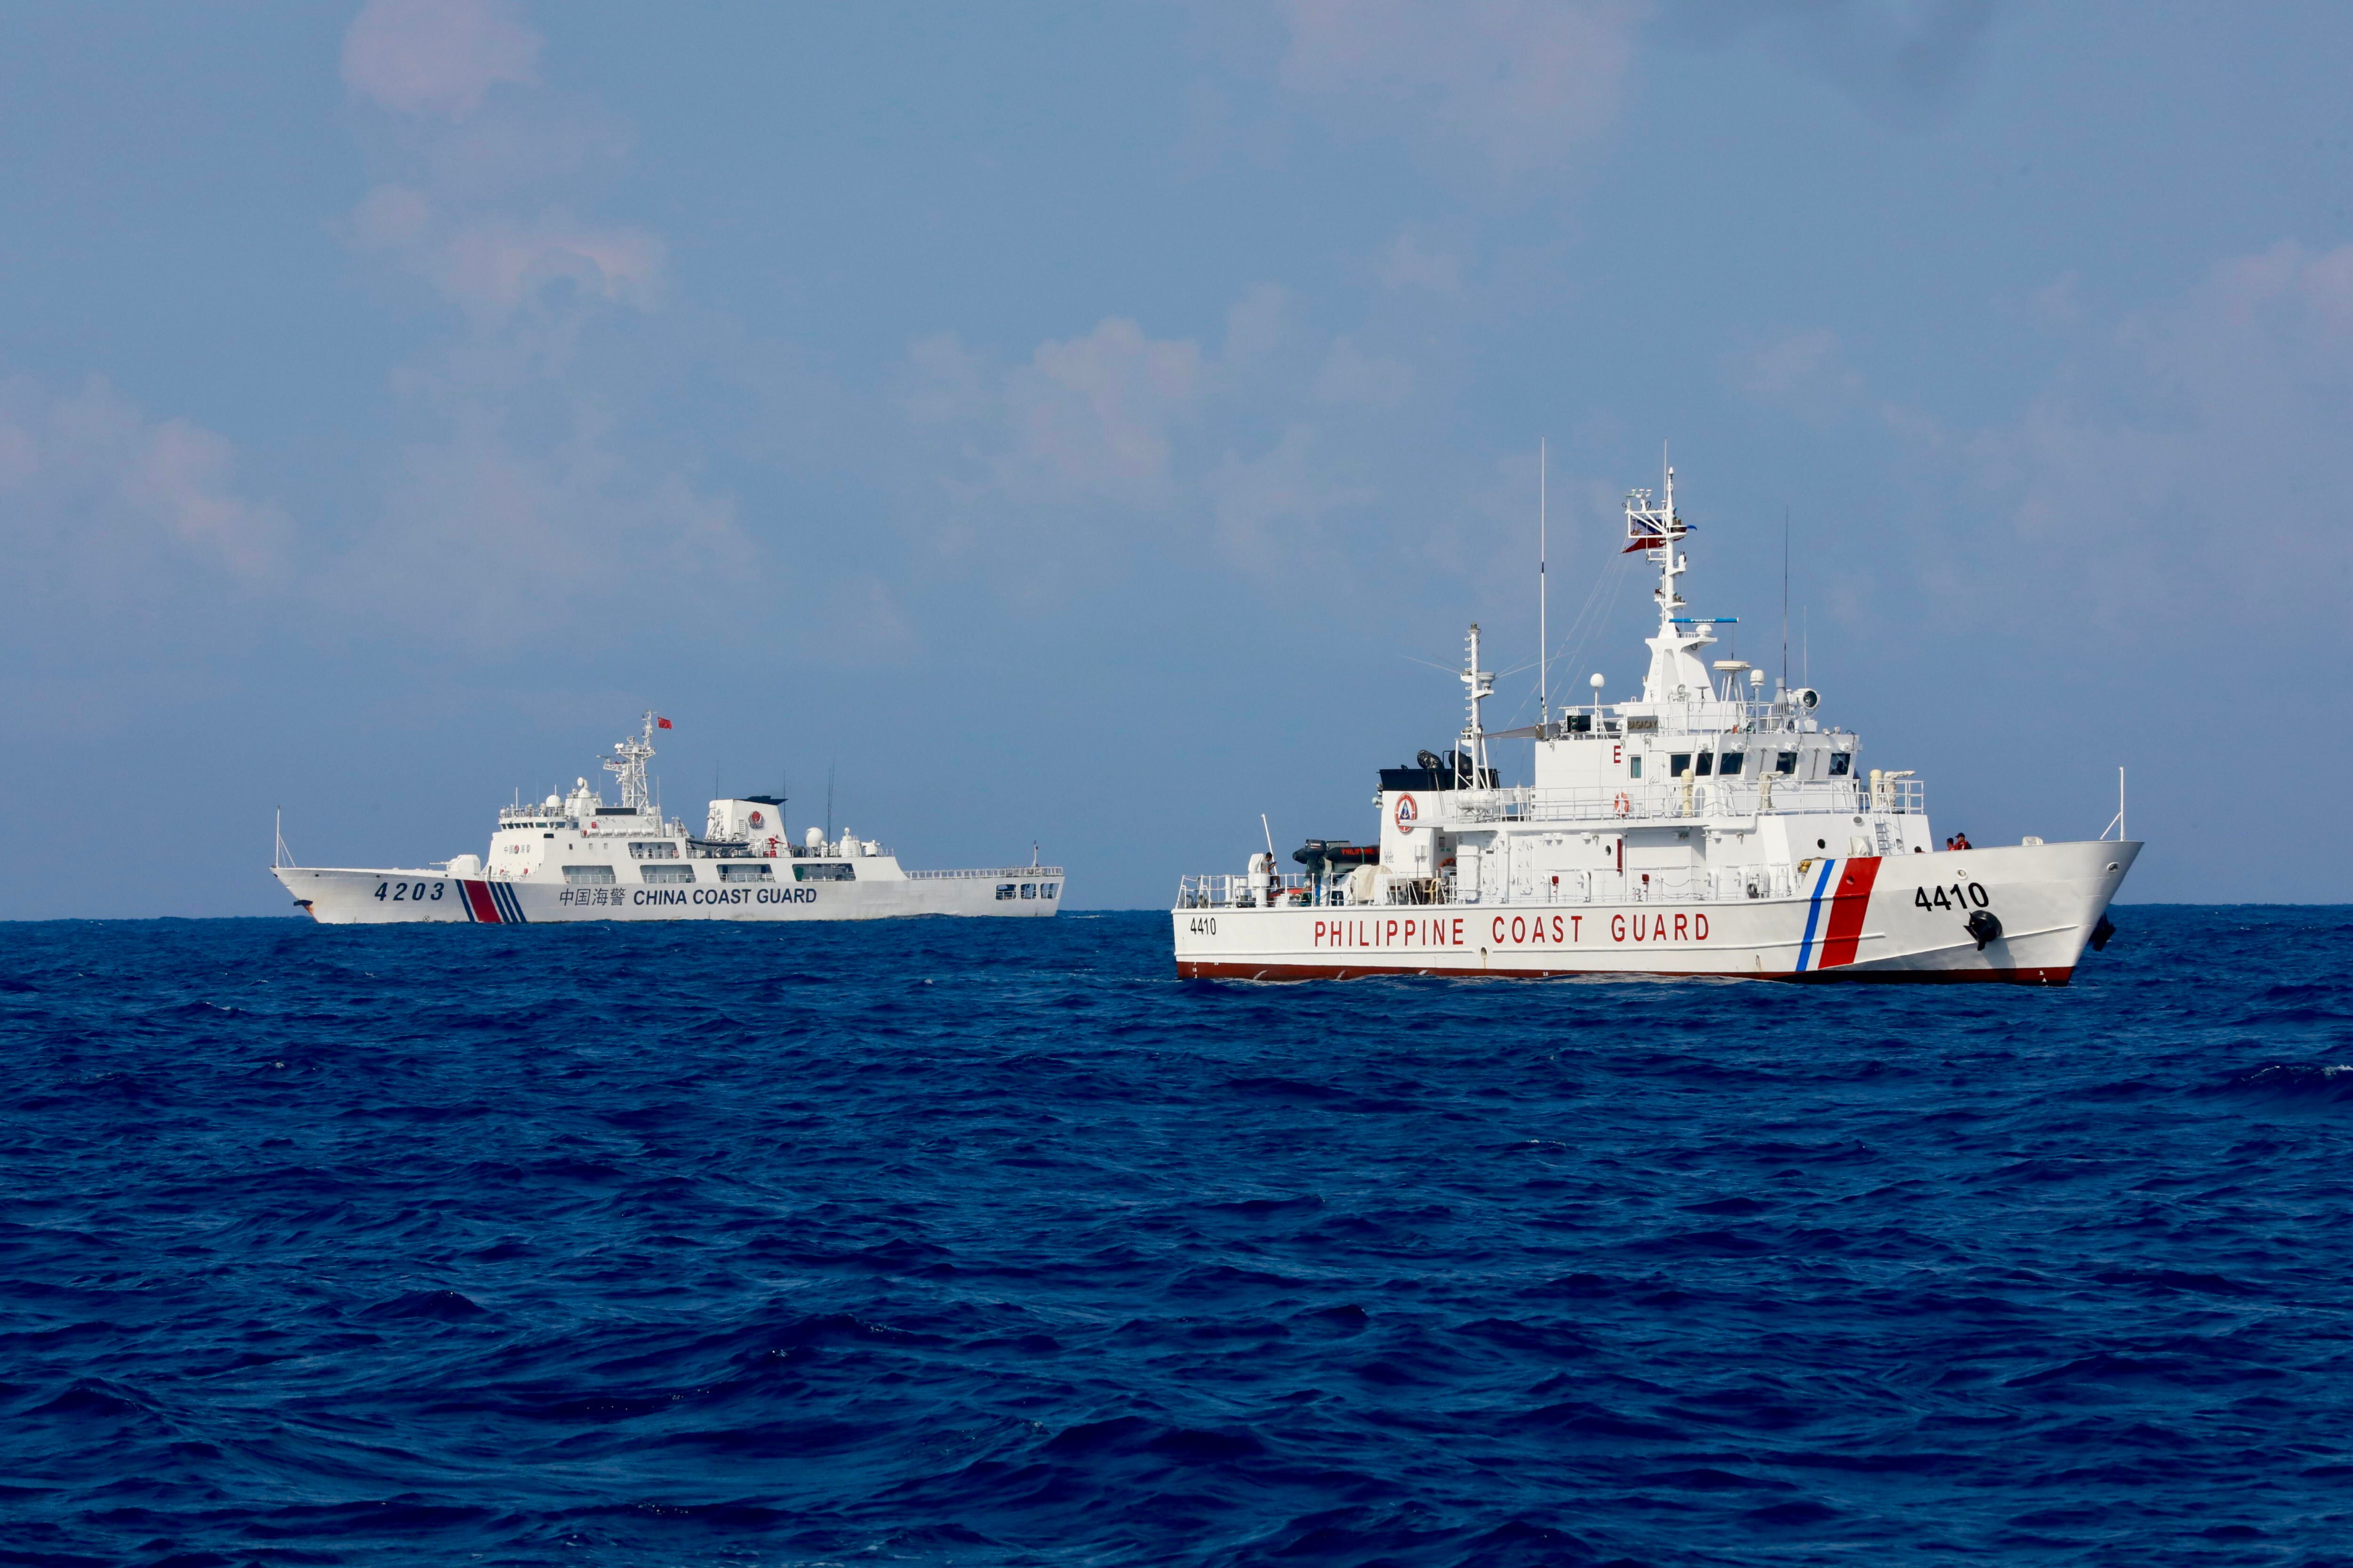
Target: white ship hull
[578,856]
[352,896]
[1884,919]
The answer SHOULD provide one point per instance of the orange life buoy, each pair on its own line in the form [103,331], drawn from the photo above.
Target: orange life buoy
[1625,808]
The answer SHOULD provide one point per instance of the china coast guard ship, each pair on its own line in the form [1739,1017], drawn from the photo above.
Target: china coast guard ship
[1701,830]
[574,858]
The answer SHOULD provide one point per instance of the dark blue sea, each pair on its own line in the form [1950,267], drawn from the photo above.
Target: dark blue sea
[990,1242]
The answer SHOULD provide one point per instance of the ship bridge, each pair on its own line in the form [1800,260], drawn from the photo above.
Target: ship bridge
[1703,786]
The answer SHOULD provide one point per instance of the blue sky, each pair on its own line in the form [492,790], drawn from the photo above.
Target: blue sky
[1091,425]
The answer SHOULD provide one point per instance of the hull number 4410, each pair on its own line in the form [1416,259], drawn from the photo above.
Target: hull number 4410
[1959,896]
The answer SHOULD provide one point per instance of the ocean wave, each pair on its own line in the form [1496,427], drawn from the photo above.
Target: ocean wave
[993,1242]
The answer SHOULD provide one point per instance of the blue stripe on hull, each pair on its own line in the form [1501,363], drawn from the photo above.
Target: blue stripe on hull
[1813,916]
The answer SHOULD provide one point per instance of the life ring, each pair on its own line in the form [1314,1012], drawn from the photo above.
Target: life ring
[1624,807]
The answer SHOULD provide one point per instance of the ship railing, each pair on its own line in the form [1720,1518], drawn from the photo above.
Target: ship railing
[1288,891]
[1570,890]
[1700,715]
[1687,798]
[987,874]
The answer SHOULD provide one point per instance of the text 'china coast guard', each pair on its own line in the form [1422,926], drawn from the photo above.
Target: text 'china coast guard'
[575,857]
[1703,829]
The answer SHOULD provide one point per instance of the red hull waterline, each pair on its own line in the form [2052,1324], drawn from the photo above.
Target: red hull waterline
[1189,969]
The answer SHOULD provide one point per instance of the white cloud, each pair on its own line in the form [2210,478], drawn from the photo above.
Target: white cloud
[93,495]
[1267,508]
[499,540]
[2133,488]
[1093,416]
[2160,459]
[437,57]
[527,497]
[497,262]
[1097,411]
[1521,83]
[1116,427]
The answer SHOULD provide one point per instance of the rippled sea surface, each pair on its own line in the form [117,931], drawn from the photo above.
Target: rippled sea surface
[989,1242]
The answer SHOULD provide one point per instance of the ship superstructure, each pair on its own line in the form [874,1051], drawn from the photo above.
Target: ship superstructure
[1705,828]
[576,856]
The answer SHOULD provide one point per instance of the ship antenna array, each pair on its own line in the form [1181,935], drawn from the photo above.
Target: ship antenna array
[627,763]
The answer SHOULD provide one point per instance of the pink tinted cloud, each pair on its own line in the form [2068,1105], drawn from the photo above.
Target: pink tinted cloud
[437,57]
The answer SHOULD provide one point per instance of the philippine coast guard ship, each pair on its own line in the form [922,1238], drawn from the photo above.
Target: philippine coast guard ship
[574,858]
[1703,829]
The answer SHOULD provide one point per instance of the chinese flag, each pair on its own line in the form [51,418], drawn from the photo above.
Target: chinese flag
[661,723]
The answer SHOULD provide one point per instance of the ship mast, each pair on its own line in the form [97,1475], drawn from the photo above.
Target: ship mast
[1480,684]
[1676,675]
[627,763]
[1672,562]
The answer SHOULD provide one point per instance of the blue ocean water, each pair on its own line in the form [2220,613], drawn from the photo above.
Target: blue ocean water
[990,1242]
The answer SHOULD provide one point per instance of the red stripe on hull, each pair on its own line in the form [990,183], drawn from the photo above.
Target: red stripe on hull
[1203,969]
[479,899]
[1847,906]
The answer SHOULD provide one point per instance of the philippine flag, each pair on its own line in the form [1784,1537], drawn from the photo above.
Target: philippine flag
[661,723]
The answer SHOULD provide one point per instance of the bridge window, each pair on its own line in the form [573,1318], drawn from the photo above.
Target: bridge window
[1048,890]
[1787,762]
[1839,760]
[1730,766]
[1004,889]
[1706,763]
[1678,764]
